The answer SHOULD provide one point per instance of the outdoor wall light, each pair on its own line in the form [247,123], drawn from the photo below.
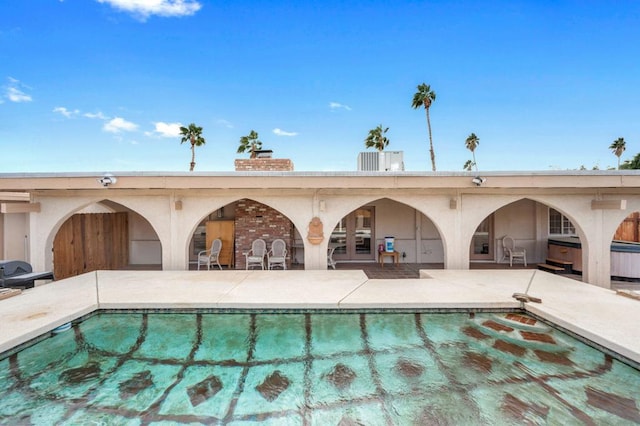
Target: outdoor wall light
[478,180]
[107,180]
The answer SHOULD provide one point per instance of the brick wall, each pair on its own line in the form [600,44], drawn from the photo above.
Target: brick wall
[255,220]
[264,165]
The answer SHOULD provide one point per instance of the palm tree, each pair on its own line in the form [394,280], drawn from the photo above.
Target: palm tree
[472,143]
[192,134]
[425,97]
[468,165]
[376,138]
[250,143]
[633,164]
[618,146]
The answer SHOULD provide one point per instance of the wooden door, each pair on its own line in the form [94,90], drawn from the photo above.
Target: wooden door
[223,229]
[90,242]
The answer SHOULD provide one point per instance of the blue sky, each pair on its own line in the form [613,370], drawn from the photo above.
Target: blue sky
[102,85]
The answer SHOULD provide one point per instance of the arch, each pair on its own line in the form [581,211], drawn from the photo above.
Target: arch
[625,250]
[139,230]
[284,210]
[616,217]
[533,239]
[412,243]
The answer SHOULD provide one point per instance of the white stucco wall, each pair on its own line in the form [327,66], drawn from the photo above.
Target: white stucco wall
[15,236]
[448,209]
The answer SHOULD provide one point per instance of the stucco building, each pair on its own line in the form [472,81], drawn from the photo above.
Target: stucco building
[442,217]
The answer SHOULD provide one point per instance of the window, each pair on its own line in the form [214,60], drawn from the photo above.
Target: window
[559,224]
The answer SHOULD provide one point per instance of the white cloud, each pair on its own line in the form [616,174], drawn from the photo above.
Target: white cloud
[64,111]
[118,125]
[281,132]
[224,123]
[167,130]
[336,105]
[97,115]
[16,95]
[14,91]
[145,8]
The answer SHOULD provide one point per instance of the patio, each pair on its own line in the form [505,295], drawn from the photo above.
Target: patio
[374,270]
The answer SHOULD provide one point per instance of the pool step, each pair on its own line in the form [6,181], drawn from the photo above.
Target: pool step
[556,266]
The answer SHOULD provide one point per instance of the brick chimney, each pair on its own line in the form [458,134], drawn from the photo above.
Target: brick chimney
[264,163]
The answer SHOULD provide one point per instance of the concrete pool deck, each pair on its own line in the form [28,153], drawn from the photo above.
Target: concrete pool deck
[598,314]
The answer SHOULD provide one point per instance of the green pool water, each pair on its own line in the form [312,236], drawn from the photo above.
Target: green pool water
[315,369]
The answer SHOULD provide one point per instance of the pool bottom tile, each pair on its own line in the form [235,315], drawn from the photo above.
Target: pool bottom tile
[272,389]
[340,379]
[370,414]
[409,371]
[447,407]
[203,391]
[135,386]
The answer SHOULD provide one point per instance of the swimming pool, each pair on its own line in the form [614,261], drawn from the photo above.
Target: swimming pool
[297,368]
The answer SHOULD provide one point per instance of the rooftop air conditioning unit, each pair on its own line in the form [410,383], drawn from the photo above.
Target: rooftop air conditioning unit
[368,162]
[385,161]
[393,161]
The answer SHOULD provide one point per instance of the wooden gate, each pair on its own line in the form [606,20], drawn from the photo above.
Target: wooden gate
[629,229]
[89,242]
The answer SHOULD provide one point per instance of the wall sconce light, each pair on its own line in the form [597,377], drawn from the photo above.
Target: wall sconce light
[323,205]
[220,213]
[107,180]
[478,180]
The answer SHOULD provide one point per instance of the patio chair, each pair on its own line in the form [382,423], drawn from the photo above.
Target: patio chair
[330,261]
[255,256]
[277,256]
[208,257]
[512,252]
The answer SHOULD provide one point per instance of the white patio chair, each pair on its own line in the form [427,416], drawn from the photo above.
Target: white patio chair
[512,252]
[277,256]
[330,261]
[255,256]
[208,257]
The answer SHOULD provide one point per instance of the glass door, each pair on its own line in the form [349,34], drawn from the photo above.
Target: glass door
[482,243]
[353,236]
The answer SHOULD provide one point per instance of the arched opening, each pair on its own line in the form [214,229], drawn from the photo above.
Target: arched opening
[237,225]
[519,221]
[360,235]
[217,224]
[527,234]
[625,253]
[105,236]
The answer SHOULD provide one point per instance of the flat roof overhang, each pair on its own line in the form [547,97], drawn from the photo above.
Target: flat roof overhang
[615,181]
